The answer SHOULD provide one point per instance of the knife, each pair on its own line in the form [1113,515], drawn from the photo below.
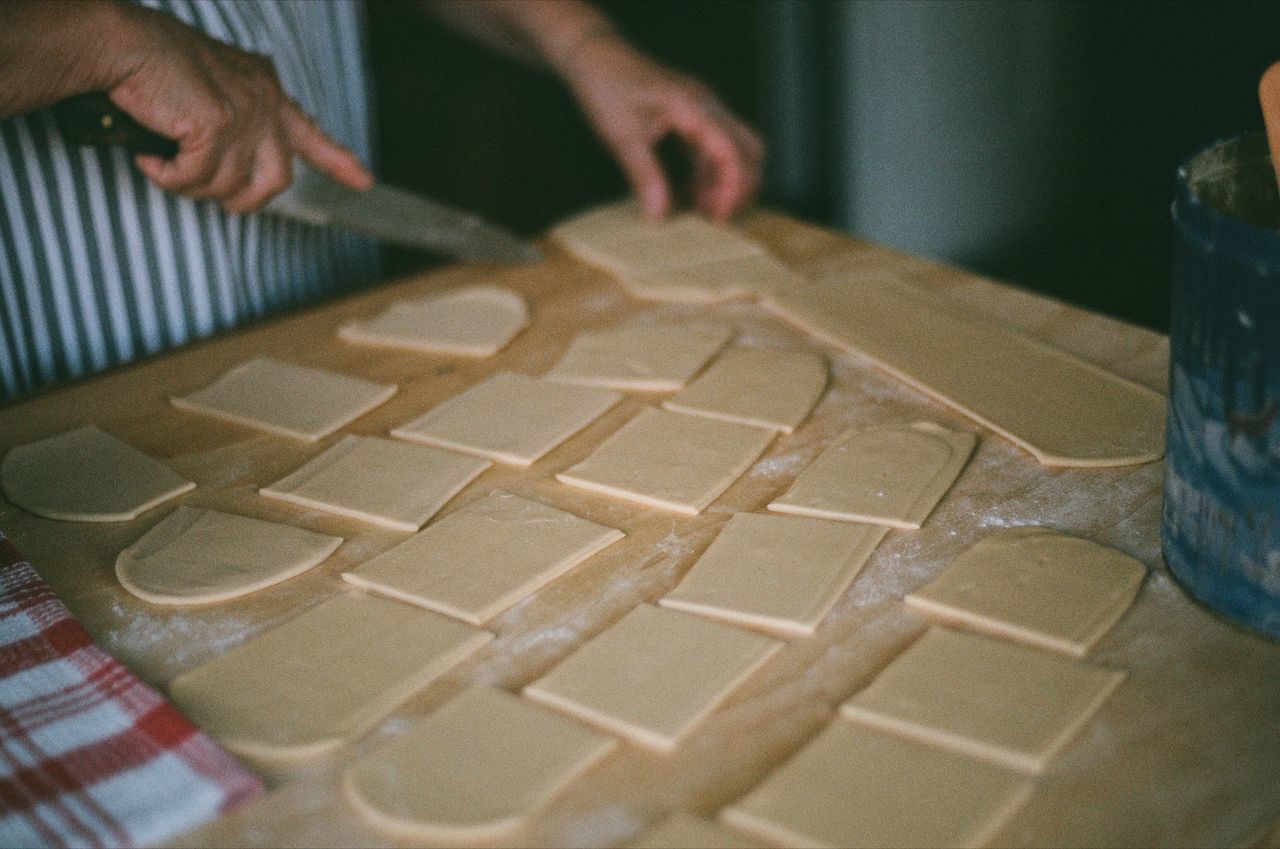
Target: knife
[384,212]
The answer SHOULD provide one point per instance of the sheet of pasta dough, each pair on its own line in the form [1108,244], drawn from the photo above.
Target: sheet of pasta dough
[473,771]
[474,321]
[893,475]
[199,556]
[324,677]
[87,475]
[998,701]
[670,460]
[859,788]
[713,282]
[781,574]
[511,418]
[287,399]
[1065,411]
[641,357]
[1037,586]
[685,831]
[478,561]
[654,675]
[763,388]
[381,481]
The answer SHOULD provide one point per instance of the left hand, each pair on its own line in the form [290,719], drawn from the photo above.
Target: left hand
[633,102]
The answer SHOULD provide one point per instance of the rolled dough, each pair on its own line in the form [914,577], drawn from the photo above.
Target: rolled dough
[893,475]
[685,831]
[713,282]
[287,399]
[198,556]
[473,771]
[854,787]
[382,481]
[762,388]
[87,475]
[474,321]
[670,460]
[654,675]
[511,418]
[476,562]
[1063,410]
[641,357]
[1000,702]
[322,678]
[1036,586]
[781,574]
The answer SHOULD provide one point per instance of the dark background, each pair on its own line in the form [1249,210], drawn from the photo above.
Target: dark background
[1144,85]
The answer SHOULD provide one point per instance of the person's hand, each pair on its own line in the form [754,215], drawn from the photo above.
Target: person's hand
[633,103]
[236,128]
[1269,97]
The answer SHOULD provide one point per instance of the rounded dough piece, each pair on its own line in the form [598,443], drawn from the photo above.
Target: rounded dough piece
[87,475]
[198,556]
[475,321]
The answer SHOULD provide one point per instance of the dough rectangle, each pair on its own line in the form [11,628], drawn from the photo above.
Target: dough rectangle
[670,460]
[641,357]
[474,321]
[654,675]
[476,562]
[324,677]
[773,389]
[377,480]
[511,418]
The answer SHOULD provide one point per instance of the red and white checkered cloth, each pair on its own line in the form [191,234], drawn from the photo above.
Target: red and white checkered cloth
[89,755]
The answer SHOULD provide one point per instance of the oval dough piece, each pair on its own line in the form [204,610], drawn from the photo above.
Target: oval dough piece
[198,556]
[87,475]
[475,321]
[762,388]
[891,476]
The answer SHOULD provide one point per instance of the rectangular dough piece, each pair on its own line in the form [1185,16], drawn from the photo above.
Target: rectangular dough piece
[641,357]
[892,475]
[474,321]
[762,388]
[286,399]
[639,246]
[478,561]
[685,831]
[854,787]
[1036,586]
[474,771]
[511,418]
[714,282]
[1065,411]
[1000,702]
[377,480]
[324,677]
[781,574]
[654,675]
[670,461]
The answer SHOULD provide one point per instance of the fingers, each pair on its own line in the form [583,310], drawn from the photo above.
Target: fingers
[727,156]
[644,173]
[312,144]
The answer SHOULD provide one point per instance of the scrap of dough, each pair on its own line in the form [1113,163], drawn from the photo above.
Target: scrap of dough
[478,561]
[1036,586]
[377,480]
[287,399]
[322,678]
[473,771]
[781,574]
[654,675]
[641,357]
[854,787]
[1065,411]
[893,475]
[762,388]
[685,831]
[1000,702]
[474,321]
[198,556]
[87,475]
[714,282]
[669,460]
[511,418]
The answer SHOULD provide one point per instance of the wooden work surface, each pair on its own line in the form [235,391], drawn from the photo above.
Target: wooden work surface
[1187,751]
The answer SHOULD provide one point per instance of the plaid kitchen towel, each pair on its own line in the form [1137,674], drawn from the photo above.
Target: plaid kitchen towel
[89,755]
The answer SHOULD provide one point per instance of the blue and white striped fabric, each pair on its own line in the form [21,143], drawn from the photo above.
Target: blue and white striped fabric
[99,267]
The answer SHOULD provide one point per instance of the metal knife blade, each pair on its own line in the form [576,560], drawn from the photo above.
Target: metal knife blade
[384,212]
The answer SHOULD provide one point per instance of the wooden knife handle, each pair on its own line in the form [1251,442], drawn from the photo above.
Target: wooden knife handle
[92,120]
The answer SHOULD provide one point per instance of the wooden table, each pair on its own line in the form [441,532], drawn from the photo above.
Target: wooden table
[1187,751]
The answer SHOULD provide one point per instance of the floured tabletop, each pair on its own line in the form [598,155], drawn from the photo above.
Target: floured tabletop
[1185,752]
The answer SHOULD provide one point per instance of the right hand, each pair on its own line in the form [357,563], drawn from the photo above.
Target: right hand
[237,130]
